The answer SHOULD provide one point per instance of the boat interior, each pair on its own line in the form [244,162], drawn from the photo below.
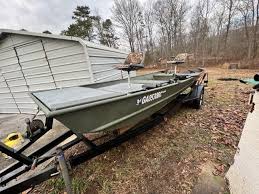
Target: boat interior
[67,97]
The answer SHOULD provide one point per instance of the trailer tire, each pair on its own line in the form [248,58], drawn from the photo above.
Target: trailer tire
[197,103]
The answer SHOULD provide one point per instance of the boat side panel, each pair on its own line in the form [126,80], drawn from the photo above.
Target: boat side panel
[123,112]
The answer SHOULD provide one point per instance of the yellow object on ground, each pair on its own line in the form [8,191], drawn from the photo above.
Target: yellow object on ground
[13,140]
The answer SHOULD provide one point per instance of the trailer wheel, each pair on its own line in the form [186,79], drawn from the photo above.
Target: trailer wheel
[197,103]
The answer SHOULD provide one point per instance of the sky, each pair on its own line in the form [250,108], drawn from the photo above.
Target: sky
[41,15]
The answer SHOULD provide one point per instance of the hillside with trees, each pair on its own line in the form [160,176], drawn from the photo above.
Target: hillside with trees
[211,31]
[222,30]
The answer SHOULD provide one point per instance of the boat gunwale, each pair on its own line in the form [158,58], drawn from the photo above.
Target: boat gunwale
[52,113]
[48,112]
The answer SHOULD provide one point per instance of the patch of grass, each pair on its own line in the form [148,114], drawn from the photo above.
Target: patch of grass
[79,185]
[212,83]
[57,185]
[106,187]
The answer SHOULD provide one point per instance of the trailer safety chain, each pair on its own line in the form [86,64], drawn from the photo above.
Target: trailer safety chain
[35,115]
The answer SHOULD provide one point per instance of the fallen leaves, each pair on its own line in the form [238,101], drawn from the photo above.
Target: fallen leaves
[219,170]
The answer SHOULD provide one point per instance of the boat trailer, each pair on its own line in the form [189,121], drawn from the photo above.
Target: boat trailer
[23,174]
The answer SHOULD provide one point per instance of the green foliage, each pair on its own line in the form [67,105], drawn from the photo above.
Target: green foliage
[90,27]
[107,34]
[81,13]
[79,185]
[83,25]
[57,185]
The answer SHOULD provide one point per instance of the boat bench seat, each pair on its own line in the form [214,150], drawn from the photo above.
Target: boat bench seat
[123,88]
[163,76]
[152,83]
[73,96]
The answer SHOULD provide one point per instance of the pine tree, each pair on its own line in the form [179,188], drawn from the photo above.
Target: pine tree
[83,25]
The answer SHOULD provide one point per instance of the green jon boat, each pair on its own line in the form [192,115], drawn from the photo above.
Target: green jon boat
[92,108]
[114,104]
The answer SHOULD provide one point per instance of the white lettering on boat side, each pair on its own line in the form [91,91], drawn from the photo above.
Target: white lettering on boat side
[150,97]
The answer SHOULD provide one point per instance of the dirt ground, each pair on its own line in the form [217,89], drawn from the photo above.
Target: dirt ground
[189,152]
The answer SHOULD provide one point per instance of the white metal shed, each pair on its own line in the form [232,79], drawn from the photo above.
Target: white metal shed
[35,61]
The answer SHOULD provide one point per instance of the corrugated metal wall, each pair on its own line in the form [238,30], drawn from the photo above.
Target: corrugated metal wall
[104,61]
[14,87]
[30,63]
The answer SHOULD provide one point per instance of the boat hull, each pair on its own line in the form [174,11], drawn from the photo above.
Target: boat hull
[124,111]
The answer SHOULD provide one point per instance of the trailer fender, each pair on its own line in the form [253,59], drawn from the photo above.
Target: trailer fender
[196,96]
[198,102]
[199,90]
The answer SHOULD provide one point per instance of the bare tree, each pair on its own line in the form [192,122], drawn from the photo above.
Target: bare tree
[249,12]
[126,14]
[256,29]
[218,20]
[139,31]
[231,6]
[170,15]
[182,12]
[149,26]
[221,29]
[200,27]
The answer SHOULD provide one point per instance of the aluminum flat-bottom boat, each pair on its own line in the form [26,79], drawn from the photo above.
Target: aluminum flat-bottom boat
[115,104]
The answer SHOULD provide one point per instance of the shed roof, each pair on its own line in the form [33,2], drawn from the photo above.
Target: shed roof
[4,32]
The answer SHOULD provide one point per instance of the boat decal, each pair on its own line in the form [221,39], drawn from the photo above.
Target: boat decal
[150,97]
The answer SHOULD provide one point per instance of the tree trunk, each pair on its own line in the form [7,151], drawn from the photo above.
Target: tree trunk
[255,31]
[229,21]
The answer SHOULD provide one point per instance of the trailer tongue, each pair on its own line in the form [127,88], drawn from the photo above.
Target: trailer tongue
[95,108]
